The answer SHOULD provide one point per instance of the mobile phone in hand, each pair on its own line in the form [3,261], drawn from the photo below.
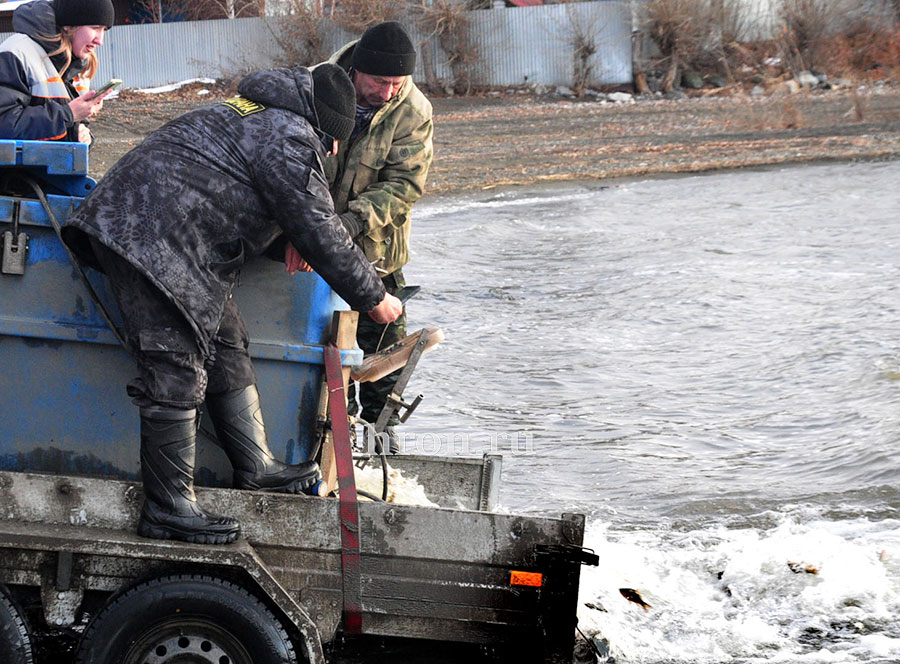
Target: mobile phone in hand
[110,84]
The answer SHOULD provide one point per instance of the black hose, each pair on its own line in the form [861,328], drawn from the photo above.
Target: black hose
[384,475]
[370,496]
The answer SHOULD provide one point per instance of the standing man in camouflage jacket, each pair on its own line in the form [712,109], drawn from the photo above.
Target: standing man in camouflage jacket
[379,173]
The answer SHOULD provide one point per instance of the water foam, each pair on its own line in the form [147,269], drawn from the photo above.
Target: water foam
[808,590]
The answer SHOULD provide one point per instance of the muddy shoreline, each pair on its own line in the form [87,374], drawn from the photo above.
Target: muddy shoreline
[514,138]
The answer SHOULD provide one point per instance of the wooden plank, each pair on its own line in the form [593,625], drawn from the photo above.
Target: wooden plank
[343,335]
[380,364]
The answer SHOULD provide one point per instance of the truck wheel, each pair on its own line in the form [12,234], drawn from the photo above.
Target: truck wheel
[186,618]
[15,642]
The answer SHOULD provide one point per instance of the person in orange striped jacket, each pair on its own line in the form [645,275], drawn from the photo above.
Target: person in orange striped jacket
[46,69]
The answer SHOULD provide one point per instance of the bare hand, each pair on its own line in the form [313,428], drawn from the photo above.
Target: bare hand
[84,134]
[293,261]
[87,105]
[387,310]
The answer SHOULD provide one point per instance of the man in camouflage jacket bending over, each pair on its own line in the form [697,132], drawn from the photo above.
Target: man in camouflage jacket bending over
[378,174]
[171,224]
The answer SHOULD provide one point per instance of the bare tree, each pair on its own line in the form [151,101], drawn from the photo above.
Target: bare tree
[805,25]
[638,22]
[680,29]
[300,32]
[210,9]
[152,11]
[357,15]
[581,34]
[449,22]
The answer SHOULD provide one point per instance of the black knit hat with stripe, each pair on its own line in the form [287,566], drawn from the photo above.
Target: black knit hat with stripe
[335,100]
[385,50]
[84,12]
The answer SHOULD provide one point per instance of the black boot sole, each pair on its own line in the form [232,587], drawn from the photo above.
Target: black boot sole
[159,531]
[296,485]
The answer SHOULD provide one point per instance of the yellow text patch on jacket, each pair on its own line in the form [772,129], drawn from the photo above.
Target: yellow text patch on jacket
[244,107]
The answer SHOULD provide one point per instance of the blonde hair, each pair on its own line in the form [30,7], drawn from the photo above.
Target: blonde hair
[64,37]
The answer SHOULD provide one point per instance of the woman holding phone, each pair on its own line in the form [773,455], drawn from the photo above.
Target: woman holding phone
[46,69]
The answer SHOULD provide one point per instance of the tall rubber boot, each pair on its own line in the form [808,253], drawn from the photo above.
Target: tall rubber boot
[171,511]
[237,418]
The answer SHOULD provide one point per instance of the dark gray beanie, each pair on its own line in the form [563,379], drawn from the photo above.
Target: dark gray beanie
[385,50]
[84,12]
[335,100]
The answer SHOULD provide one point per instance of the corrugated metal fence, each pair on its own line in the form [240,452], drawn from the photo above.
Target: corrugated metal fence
[516,46]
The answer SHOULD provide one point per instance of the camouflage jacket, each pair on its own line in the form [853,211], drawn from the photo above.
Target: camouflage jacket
[217,186]
[379,175]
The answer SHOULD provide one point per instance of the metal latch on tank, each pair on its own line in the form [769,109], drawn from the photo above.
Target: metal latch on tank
[15,246]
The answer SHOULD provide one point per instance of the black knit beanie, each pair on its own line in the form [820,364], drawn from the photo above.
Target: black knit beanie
[385,50]
[335,100]
[84,12]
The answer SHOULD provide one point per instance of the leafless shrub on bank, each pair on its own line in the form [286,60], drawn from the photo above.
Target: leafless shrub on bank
[842,36]
[300,32]
[680,29]
[581,34]
[805,28]
[867,44]
[357,15]
[732,26]
[449,21]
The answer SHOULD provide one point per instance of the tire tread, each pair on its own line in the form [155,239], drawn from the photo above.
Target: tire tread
[14,632]
[232,595]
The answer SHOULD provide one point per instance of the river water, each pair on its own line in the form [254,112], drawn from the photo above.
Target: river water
[708,367]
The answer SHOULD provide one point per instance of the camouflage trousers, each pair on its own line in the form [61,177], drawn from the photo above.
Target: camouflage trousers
[172,369]
[372,337]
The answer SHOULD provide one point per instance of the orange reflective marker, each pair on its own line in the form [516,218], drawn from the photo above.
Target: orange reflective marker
[533,579]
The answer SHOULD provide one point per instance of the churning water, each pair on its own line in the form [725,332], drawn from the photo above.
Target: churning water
[709,368]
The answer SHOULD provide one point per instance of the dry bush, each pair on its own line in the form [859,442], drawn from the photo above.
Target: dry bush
[449,21]
[842,36]
[805,29]
[680,29]
[581,34]
[865,50]
[300,33]
[732,28]
[357,15]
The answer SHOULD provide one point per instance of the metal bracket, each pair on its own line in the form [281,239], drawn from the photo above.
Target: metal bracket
[395,402]
[15,245]
[568,553]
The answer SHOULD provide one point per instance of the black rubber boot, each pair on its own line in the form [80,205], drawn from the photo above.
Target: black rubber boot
[237,418]
[171,511]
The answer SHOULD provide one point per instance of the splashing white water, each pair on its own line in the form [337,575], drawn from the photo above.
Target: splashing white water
[401,489]
[728,594]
